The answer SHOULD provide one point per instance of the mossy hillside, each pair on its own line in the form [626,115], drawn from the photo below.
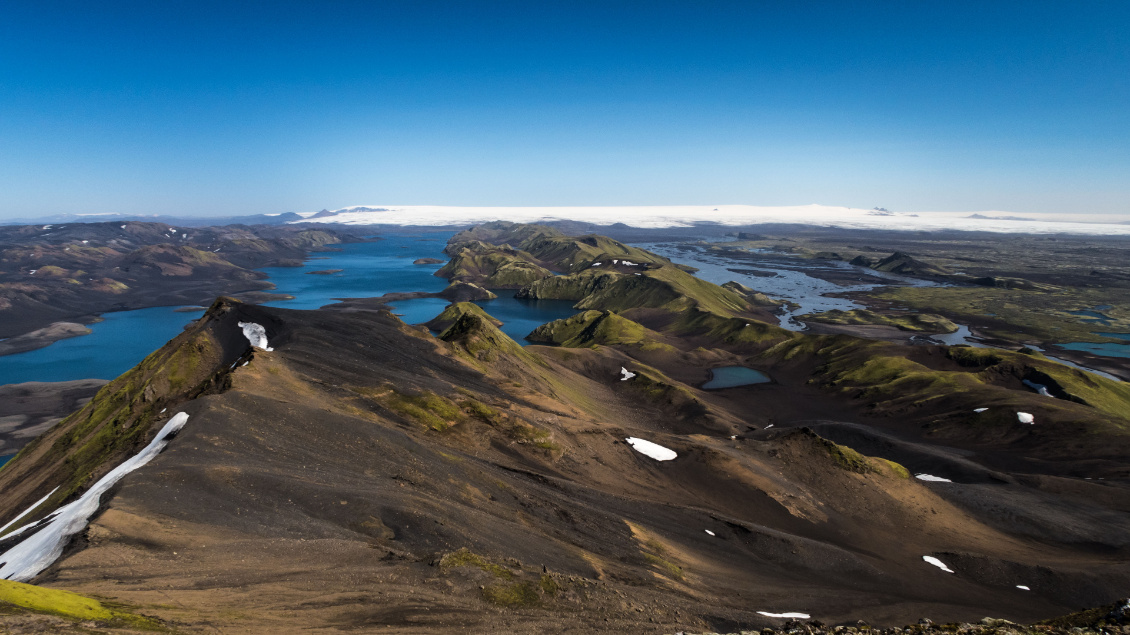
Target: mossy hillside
[466,292]
[847,458]
[566,254]
[120,416]
[574,287]
[665,287]
[456,310]
[734,332]
[499,233]
[754,297]
[575,254]
[916,322]
[475,336]
[844,457]
[439,413]
[659,390]
[499,268]
[505,591]
[42,600]
[877,374]
[1020,315]
[427,408]
[598,327]
[1064,382]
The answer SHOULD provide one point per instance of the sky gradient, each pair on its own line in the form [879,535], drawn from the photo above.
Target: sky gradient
[206,109]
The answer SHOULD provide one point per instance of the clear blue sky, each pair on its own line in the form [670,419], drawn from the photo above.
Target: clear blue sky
[208,108]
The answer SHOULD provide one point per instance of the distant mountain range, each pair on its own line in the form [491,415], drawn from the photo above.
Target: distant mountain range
[664,216]
[652,217]
[184,221]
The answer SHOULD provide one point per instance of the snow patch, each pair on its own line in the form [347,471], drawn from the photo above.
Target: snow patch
[26,512]
[614,261]
[979,410]
[255,334]
[596,264]
[937,563]
[1022,587]
[654,450]
[709,532]
[932,478]
[626,374]
[1024,417]
[36,552]
[799,616]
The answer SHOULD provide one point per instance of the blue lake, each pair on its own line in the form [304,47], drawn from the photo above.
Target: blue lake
[1105,349]
[115,345]
[371,269]
[731,376]
[5,459]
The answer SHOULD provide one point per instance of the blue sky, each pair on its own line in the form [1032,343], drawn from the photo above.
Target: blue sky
[205,108]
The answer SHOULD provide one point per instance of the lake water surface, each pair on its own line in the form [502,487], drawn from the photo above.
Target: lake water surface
[124,338]
[731,376]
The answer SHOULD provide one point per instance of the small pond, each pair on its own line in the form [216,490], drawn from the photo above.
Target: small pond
[1107,349]
[731,376]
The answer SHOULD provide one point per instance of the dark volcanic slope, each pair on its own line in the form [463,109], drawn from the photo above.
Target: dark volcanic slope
[366,475]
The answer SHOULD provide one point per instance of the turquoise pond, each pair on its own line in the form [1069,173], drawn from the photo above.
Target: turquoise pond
[1107,349]
[731,376]
[124,338]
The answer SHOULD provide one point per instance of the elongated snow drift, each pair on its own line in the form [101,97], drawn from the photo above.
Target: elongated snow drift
[36,552]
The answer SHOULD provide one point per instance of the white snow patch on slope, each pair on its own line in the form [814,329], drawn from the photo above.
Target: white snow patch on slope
[688,215]
[979,410]
[36,552]
[937,563]
[26,512]
[801,616]
[1022,587]
[709,532]
[654,450]
[932,478]
[255,334]
[1024,417]
[626,374]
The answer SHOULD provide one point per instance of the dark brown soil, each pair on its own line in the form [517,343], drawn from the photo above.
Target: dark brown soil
[309,495]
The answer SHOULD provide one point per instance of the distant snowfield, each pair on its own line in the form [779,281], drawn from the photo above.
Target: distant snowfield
[688,215]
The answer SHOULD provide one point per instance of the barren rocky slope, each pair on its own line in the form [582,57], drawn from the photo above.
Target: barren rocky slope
[364,474]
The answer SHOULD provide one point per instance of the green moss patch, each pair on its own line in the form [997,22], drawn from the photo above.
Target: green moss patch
[36,599]
[466,558]
[917,322]
[848,458]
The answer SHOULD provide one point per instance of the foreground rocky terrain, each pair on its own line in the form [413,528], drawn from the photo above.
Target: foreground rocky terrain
[349,471]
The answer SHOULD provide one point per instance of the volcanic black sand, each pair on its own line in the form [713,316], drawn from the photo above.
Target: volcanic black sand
[365,475]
